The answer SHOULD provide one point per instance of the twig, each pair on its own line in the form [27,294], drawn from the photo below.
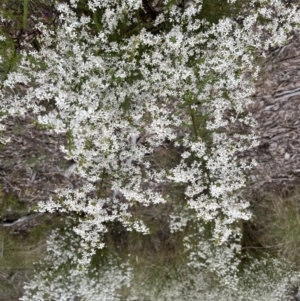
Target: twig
[25,13]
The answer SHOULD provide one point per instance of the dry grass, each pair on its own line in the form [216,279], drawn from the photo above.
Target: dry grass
[21,246]
[276,224]
[17,257]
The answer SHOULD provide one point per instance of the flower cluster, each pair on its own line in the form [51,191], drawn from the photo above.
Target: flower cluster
[210,275]
[60,278]
[124,82]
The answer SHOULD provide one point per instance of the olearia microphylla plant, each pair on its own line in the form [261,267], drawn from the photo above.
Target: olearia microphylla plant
[112,279]
[60,279]
[123,81]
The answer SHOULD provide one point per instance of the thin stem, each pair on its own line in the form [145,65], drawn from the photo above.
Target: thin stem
[25,13]
[192,112]
[99,192]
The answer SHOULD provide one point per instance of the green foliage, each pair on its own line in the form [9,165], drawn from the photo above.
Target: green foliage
[10,206]
[70,141]
[9,55]
[12,13]
[25,13]
[14,27]
[214,10]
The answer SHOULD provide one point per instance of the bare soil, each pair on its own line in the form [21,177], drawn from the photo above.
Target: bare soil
[277,111]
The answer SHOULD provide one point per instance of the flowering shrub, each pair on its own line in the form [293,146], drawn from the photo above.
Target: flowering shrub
[60,279]
[110,278]
[125,79]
